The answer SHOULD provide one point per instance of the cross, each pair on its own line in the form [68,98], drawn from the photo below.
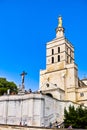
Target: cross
[23,76]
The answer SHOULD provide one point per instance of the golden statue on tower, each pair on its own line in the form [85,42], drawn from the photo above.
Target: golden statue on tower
[60,22]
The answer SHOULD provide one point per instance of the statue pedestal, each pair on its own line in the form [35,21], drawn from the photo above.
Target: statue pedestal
[21,91]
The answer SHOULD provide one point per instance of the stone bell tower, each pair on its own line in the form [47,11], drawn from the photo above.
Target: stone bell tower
[60,77]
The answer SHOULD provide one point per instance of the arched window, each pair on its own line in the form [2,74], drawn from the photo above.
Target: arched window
[49,94]
[58,49]
[58,58]
[52,59]
[52,51]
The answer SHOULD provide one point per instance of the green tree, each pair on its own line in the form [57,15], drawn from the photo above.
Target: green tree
[5,85]
[75,117]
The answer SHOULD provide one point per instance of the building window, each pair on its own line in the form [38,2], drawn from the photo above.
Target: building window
[58,58]
[81,94]
[70,52]
[58,49]
[67,49]
[52,59]
[67,59]
[47,85]
[70,60]
[55,85]
[52,51]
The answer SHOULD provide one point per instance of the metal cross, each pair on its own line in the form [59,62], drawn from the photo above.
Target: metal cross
[23,76]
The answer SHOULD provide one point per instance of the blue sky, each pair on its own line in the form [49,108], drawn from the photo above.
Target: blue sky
[25,28]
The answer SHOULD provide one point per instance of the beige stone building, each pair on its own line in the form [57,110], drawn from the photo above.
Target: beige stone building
[60,79]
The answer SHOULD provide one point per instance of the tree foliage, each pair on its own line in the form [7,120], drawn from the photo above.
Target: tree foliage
[5,85]
[75,117]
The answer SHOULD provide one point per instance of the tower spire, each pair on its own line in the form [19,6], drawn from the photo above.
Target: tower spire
[59,29]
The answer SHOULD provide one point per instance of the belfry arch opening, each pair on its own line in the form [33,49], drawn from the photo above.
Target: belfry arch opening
[49,94]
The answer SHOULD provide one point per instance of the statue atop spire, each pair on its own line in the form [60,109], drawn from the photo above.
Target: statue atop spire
[59,29]
[60,22]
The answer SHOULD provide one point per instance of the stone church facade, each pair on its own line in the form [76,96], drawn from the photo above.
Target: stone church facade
[60,79]
[59,88]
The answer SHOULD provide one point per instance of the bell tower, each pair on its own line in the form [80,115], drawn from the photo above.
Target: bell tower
[60,77]
[59,51]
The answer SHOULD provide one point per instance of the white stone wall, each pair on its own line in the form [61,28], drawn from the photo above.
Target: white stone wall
[21,108]
[31,109]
